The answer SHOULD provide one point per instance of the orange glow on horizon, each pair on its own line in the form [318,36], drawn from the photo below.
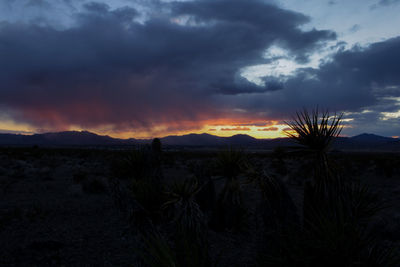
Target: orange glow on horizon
[269,130]
[222,127]
[220,131]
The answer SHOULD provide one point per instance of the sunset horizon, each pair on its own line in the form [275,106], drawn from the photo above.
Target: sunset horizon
[200,133]
[281,133]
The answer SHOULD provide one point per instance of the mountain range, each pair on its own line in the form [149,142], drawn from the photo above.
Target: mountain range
[365,142]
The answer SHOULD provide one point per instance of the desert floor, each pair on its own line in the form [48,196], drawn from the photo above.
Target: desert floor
[56,207]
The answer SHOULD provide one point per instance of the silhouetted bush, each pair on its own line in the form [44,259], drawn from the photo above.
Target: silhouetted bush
[229,212]
[207,195]
[156,145]
[315,132]
[337,214]
[278,209]
[186,213]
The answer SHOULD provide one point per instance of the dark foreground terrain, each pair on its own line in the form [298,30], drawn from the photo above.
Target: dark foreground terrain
[73,207]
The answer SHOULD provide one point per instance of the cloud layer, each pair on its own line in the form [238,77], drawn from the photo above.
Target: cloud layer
[179,67]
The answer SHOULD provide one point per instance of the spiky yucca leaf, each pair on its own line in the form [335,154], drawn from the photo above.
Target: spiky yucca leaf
[184,190]
[382,256]
[327,243]
[158,252]
[230,162]
[230,212]
[278,208]
[336,230]
[345,203]
[315,131]
[187,213]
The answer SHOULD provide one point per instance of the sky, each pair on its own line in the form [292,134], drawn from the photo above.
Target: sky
[151,68]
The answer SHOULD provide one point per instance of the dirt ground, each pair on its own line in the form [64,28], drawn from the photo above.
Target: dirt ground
[56,208]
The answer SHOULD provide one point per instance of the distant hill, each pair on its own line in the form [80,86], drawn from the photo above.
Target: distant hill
[209,140]
[371,138]
[364,142]
[68,138]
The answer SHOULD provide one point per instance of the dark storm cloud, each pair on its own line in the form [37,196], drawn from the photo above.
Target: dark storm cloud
[372,122]
[257,24]
[108,68]
[354,80]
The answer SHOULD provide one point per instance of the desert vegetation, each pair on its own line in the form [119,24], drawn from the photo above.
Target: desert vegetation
[147,206]
[332,226]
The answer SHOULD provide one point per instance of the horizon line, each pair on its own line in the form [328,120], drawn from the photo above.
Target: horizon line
[13,132]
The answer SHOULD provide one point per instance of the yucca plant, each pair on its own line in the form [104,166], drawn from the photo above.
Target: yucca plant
[336,229]
[206,197]
[315,133]
[278,208]
[336,232]
[156,145]
[156,251]
[327,244]
[230,162]
[186,212]
[229,211]
[189,245]
[184,252]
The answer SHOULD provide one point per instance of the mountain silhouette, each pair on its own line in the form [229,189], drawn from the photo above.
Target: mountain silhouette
[67,138]
[369,142]
[366,137]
